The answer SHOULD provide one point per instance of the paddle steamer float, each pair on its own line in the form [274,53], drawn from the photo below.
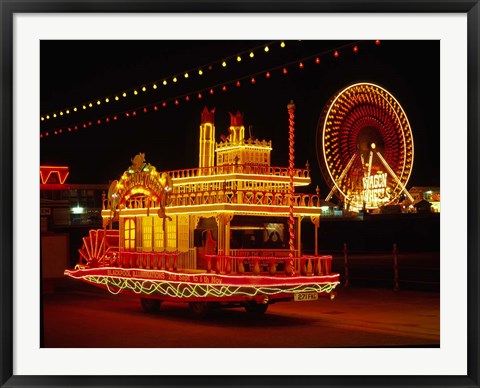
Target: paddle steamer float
[225,234]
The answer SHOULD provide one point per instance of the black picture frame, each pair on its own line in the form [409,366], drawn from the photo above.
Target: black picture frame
[9,8]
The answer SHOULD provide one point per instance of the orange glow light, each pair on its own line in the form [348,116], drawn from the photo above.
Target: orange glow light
[46,172]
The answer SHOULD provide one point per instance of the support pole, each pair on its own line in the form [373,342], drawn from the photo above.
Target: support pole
[370,159]
[289,268]
[392,173]
[340,178]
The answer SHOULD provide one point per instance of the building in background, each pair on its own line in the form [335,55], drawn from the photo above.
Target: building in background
[66,211]
[68,205]
[427,193]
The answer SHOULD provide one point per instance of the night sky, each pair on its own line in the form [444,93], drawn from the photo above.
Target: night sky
[76,72]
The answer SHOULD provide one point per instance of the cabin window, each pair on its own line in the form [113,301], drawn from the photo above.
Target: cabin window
[171,227]
[158,233]
[147,233]
[129,234]
[171,235]
[183,233]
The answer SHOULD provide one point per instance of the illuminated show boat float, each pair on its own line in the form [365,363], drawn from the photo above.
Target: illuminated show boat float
[224,234]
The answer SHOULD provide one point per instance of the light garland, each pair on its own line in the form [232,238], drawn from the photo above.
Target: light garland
[199,94]
[164,81]
[115,285]
[291,188]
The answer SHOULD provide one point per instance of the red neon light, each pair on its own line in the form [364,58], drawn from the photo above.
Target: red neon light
[202,278]
[61,172]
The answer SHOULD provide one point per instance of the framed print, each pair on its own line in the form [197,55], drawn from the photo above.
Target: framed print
[158,128]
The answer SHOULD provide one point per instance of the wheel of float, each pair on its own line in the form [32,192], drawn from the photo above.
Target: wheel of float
[149,305]
[200,309]
[256,309]
[363,132]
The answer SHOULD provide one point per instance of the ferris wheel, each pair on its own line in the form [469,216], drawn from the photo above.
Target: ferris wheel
[365,147]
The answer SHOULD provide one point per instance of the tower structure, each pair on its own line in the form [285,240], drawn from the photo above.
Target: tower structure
[207,139]
[235,149]
[236,129]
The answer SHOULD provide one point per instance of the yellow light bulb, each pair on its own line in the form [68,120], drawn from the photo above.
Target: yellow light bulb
[54,115]
[144,89]
[61,113]
[165,82]
[84,107]
[174,79]
[282,45]
[154,86]
[124,94]
[266,49]
[98,102]
[48,117]
[75,109]
[67,112]
[224,64]
[239,58]
[42,118]
[135,92]
[252,54]
[90,105]
[200,72]
[186,75]
[117,98]
[107,100]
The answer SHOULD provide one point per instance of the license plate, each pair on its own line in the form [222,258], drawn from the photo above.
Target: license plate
[305,296]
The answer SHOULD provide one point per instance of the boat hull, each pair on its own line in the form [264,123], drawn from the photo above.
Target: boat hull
[203,286]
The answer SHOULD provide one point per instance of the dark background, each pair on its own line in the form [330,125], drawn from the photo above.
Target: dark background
[77,72]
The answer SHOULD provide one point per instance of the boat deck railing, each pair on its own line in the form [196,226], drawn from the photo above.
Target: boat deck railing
[248,197]
[147,260]
[270,265]
[225,264]
[255,169]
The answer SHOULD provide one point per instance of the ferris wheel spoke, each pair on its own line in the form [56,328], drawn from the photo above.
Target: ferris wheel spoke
[340,178]
[370,163]
[394,176]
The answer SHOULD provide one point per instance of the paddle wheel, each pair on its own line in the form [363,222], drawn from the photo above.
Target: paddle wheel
[99,249]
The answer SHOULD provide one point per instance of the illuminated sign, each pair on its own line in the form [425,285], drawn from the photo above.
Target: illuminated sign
[375,189]
[53,174]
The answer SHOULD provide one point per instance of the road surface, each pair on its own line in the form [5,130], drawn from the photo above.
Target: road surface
[85,317]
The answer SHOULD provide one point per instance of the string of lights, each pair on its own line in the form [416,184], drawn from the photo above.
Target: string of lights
[283,69]
[162,82]
[115,285]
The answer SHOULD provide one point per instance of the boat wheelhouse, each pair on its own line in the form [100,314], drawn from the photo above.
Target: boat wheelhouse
[226,233]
